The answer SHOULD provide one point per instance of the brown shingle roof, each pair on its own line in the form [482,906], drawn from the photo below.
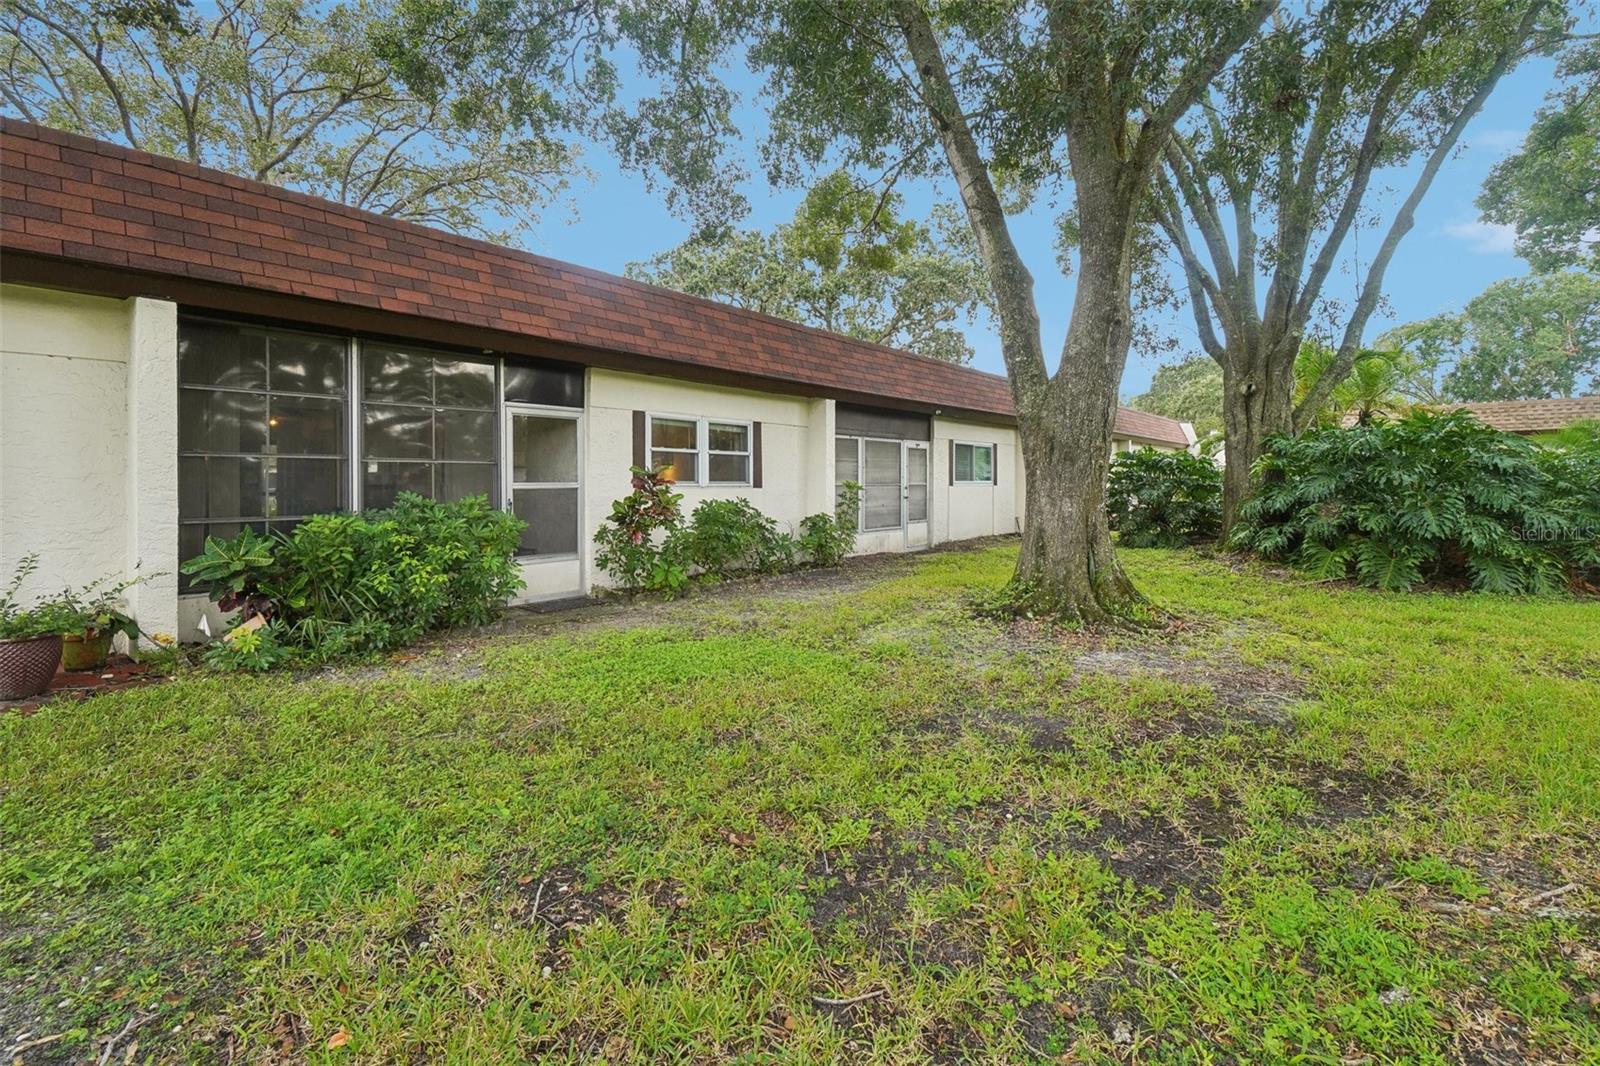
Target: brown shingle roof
[1530,416]
[89,202]
[1156,429]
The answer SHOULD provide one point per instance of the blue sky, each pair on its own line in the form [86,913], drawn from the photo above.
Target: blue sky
[1449,257]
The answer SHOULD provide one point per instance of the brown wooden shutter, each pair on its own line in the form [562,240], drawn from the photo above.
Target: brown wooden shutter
[755,455]
[639,458]
[952,462]
[994,464]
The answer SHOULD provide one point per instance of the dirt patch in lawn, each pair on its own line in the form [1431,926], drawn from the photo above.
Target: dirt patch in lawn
[1343,794]
[563,902]
[867,889]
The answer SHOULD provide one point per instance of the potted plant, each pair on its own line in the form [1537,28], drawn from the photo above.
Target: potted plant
[90,618]
[30,639]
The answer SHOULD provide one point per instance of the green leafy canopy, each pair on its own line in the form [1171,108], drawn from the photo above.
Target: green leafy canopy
[849,262]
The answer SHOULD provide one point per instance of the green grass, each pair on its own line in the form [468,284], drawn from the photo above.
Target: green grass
[1300,825]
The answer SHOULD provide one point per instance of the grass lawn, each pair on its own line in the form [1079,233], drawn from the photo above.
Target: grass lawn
[837,817]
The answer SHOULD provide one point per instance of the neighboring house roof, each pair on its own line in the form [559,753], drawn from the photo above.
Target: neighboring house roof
[93,216]
[1152,429]
[1530,416]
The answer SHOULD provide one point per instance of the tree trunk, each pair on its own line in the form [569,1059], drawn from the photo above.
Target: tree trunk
[1067,567]
[1257,403]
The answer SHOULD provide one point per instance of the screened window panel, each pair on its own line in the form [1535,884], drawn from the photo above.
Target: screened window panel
[306,425]
[846,459]
[916,503]
[728,469]
[543,450]
[395,376]
[881,497]
[459,383]
[464,436]
[222,421]
[382,482]
[397,432]
[882,506]
[299,488]
[221,487]
[303,363]
[552,517]
[221,355]
[916,484]
[457,481]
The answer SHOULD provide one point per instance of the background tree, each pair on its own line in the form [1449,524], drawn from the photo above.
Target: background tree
[1017,100]
[848,262]
[464,114]
[1550,189]
[1520,339]
[292,94]
[1267,181]
[1190,391]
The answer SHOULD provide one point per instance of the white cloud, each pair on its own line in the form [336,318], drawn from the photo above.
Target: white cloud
[1496,140]
[1485,238]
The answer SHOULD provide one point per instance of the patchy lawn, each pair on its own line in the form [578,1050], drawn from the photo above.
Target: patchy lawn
[836,817]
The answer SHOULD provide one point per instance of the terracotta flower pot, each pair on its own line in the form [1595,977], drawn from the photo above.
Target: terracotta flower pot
[85,651]
[27,665]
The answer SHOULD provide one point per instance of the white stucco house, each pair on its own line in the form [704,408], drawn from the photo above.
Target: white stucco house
[184,352]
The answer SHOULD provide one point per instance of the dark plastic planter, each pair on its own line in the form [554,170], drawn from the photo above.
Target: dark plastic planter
[27,665]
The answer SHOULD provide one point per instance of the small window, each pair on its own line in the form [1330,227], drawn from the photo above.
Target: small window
[701,451]
[974,464]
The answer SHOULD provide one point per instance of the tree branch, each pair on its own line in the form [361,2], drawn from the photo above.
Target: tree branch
[1405,218]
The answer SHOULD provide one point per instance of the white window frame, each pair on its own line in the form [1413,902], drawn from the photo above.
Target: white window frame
[994,459]
[702,449]
[510,486]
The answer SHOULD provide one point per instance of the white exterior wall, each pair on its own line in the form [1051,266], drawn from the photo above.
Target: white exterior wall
[961,512]
[88,444]
[796,433]
[88,455]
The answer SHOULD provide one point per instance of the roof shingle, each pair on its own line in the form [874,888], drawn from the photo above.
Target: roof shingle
[1530,416]
[86,201]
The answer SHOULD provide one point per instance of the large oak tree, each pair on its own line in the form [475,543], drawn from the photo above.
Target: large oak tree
[1006,102]
[1268,185]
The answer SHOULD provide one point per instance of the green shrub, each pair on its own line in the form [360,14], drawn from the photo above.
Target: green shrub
[41,619]
[1428,498]
[1163,499]
[645,545]
[356,584]
[642,543]
[827,539]
[731,537]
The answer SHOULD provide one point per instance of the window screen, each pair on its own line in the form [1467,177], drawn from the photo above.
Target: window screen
[427,425]
[544,482]
[262,438]
[881,485]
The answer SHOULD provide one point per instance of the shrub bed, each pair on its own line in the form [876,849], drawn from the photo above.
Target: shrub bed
[647,545]
[1163,499]
[356,584]
[1429,498]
